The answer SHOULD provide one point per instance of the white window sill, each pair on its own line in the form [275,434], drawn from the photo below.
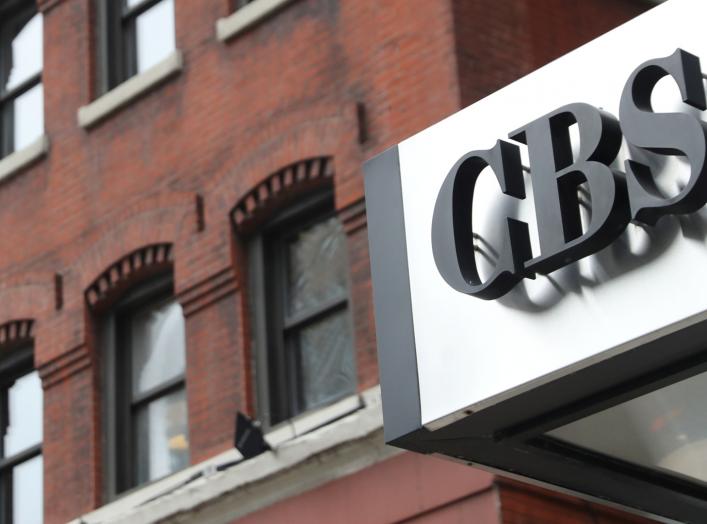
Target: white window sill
[18,160]
[130,90]
[312,420]
[246,17]
[351,441]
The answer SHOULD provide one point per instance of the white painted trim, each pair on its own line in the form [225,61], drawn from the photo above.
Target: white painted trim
[20,159]
[349,444]
[129,90]
[246,17]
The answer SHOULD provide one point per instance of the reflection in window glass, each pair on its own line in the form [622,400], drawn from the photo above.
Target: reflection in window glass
[26,53]
[665,429]
[327,361]
[155,35]
[316,266]
[161,435]
[24,413]
[29,117]
[158,346]
[27,491]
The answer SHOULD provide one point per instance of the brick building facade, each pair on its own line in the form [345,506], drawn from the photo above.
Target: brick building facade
[173,169]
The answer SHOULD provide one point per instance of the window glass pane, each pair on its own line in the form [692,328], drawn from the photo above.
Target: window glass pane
[316,266]
[26,53]
[158,345]
[326,359]
[24,413]
[162,443]
[133,3]
[665,429]
[27,492]
[28,117]
[155,35]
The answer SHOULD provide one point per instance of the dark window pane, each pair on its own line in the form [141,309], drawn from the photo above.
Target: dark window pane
[26,53]
[155,35]
[28,117]
[316,266]
[157,335]
[326,358]
[27,492]
[24,413]
[161,437]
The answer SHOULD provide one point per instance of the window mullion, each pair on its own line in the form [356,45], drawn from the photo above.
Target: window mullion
[290,361]
[284,386]
[19,90]
[315,312]
[292,365]
[7,127]
[129,46]
[15,460]
[3,58]
[123,384]
[114,50]
[6,497]
[4,415]
[156,392]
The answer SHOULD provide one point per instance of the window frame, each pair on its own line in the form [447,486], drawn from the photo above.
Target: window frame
[276,356]
[16,364]
[119,404]
[239,4]
[117,41]
[16,13]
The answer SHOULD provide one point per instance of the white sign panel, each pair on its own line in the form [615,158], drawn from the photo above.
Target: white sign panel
[471,353]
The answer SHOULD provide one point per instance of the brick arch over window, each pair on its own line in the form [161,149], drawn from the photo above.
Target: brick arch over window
[279,189]
[16,332]
[133,267]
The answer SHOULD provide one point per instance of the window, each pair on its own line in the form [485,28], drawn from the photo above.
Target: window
[135,36]
[301,322]
[145,387]
[21,93]
[21,443]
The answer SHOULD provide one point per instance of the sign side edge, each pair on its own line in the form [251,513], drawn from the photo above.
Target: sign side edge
[397,357]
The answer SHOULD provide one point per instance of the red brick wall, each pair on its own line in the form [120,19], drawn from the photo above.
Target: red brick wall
[427,491]
[498,42]
[285,91]
[433,491]
[521,504]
